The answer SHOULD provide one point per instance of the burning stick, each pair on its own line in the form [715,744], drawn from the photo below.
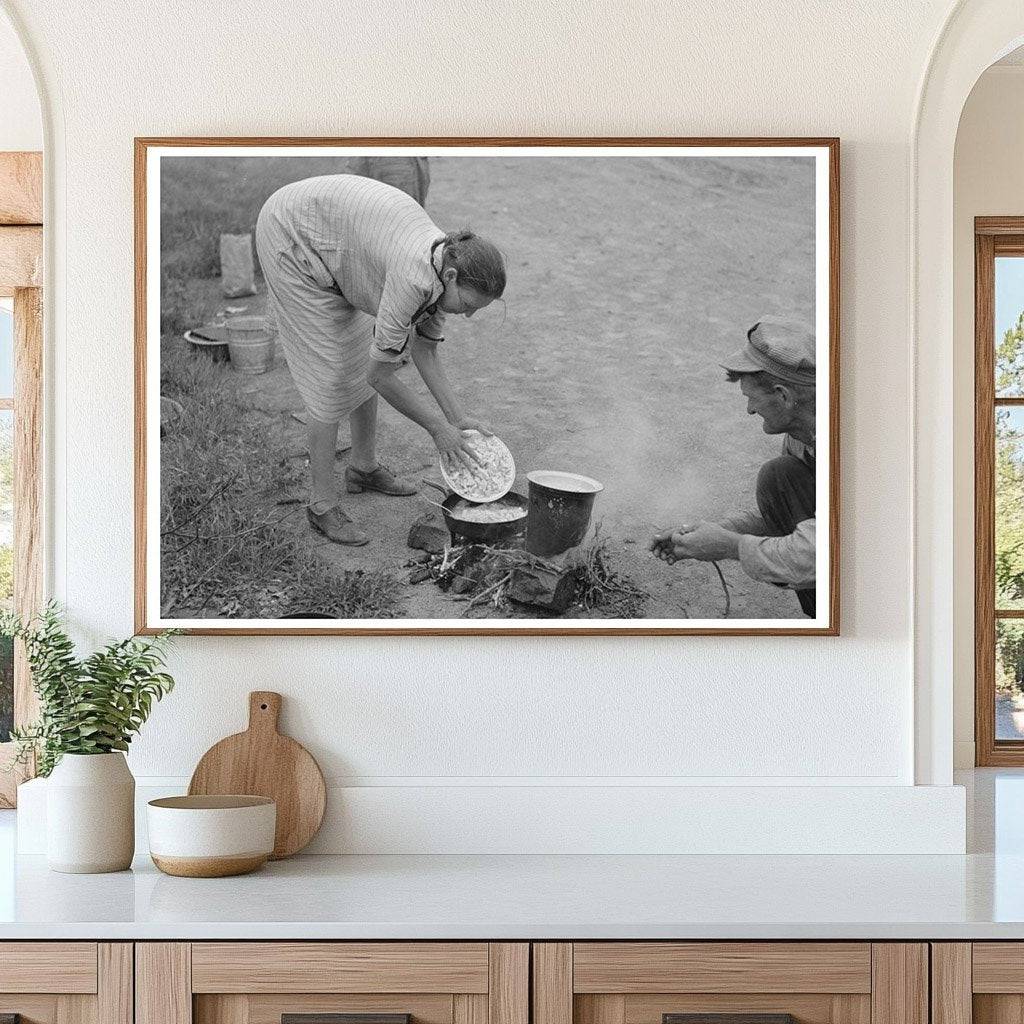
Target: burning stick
[493,587]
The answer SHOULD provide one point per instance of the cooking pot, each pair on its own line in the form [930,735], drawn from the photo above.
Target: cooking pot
[465,532]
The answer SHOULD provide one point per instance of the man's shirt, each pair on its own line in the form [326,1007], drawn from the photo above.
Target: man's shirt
[789,560]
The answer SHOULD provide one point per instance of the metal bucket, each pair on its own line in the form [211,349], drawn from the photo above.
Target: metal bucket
[560,508]
[251,343]
[209,348]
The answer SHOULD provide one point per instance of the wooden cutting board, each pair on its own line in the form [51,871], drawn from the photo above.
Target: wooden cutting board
[262,762]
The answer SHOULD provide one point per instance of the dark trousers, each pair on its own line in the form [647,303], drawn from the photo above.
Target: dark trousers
[785,497]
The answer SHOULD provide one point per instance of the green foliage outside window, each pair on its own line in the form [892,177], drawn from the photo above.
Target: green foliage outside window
[1009,509]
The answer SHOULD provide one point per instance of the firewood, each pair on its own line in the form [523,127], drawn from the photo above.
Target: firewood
[429,533]
[543,587]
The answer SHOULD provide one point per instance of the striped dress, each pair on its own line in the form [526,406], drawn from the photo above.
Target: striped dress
[352,269]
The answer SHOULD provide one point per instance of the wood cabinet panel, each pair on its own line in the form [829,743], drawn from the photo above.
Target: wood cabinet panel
[469,1008]
[508,983]
[851,1009]
[228,1009]
[163,983]
[998,967]
[552,983]
[238,1008]
[756,967]
[599,1009]
[807,1008]
[77,1010]
[68,967]
[115,983]
[989,1008]
[899,983]
[340,967]
[951,982]
[62,974]
[34,1009]
[481,983]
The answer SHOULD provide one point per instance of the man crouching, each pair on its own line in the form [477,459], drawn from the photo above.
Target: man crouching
[776,374]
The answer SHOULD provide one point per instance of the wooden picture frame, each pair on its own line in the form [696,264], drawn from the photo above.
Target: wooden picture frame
[148,152]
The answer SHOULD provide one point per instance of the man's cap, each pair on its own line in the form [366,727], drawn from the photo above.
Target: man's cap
[780,347]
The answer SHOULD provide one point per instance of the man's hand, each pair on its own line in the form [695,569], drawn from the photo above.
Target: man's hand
[707,542]
[470,423]
[703,542]
[662,545]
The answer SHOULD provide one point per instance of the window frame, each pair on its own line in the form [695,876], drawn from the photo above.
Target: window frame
[21,269]
[993,237]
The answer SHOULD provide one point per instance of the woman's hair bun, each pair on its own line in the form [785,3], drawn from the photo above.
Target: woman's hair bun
[479,263]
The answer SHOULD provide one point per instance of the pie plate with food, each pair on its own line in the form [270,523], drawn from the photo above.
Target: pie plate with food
[489,480]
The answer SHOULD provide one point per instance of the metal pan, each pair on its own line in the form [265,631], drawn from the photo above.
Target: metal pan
[464,532]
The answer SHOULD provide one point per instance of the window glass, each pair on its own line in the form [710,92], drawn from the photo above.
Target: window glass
[1009,679]
[1009,327]
[6,348]
[6,567]
[1009,512]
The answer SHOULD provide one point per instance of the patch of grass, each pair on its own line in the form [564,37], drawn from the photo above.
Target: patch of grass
[226,549]
[202,198]
[600,586]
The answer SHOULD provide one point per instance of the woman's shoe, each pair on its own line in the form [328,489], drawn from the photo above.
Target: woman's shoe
[380,479]
[337,527]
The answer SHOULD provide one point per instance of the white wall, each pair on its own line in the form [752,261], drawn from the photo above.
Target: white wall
[445,713]
[988,181]
[21,125]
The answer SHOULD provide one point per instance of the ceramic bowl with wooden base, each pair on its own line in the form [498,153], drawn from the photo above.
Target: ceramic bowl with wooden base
[211,836]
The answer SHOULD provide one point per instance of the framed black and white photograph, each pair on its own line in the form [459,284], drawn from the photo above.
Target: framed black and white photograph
[481,386]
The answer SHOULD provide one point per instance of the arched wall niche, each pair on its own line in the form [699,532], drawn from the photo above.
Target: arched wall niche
[975,35]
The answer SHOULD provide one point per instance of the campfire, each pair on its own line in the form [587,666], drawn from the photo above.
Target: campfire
[495,549]
[494,579]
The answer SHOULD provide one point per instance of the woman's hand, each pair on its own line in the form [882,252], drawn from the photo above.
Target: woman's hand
[469,423]
[456,443]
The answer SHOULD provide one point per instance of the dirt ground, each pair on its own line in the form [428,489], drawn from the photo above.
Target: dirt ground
[628,280]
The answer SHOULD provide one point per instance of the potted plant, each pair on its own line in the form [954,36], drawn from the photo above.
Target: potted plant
[89,709]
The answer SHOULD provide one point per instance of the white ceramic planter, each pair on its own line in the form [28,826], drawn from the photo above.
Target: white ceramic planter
[90,814]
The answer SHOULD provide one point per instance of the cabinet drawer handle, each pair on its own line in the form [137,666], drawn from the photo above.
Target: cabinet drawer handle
[728,1018]
[339,1018]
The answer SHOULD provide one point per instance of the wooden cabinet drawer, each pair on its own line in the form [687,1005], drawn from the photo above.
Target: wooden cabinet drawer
[48,967]
[259,982]
[981,982]
[721,967]
[66,982]
[814,982]
[340,967]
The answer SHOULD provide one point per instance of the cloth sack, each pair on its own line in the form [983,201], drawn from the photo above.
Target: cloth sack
[237,269]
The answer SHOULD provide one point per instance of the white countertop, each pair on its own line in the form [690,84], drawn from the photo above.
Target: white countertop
[978,896]
[532,897]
